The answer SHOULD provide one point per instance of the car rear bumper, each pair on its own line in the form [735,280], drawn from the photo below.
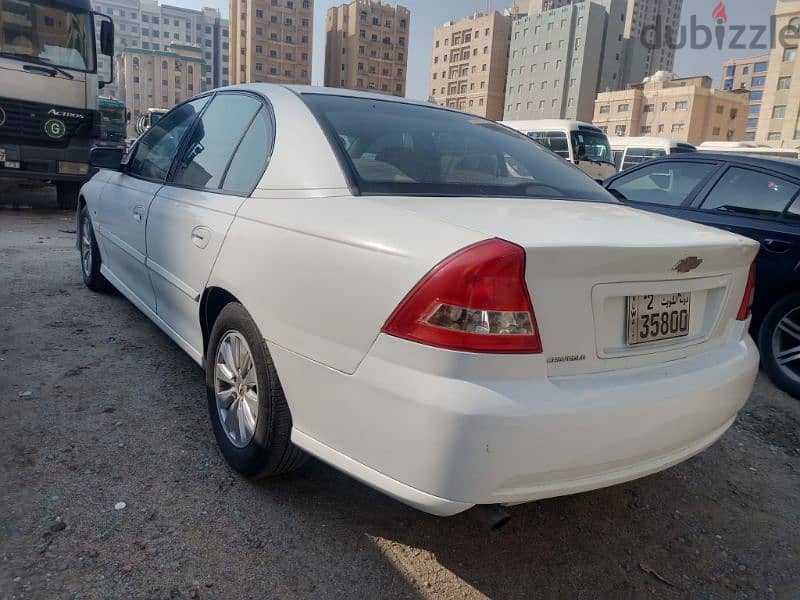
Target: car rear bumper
[440,431]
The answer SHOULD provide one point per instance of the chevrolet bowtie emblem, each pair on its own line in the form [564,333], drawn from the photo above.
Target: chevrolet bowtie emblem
[690,263]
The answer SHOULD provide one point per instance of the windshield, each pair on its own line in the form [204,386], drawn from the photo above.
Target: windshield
[406,149]
[596,145]
[46,33]
[113,120]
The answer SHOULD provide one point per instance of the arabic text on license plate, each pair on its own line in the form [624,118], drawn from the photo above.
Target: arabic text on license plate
[658,317]
[2,154]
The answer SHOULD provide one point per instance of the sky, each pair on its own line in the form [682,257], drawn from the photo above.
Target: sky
[427,14]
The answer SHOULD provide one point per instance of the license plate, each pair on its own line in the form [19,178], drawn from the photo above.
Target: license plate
[658,317]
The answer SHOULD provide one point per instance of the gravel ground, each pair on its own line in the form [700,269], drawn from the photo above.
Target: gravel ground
[99,408]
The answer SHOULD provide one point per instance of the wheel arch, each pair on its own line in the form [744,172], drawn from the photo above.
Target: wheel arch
[212,301]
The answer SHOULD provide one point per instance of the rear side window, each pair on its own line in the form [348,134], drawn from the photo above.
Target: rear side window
[251,157]
[214,141]
[665,183]
[555,141]
[750,192]
[408,149]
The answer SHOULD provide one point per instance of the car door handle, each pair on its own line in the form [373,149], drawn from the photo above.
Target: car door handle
[777,246]
[201,236]
[138,212]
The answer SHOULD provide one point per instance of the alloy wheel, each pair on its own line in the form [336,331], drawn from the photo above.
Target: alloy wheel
[236,388]
[786,344]
[86,246]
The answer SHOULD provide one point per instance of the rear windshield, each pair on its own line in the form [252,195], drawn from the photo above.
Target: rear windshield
[405,149]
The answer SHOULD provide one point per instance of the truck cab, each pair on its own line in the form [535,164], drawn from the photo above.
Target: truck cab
[582,144]
[49,117]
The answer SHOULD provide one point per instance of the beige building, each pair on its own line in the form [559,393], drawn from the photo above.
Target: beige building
[159,78]
[749,74]
[271,41]
[688,110]
[779,124]
[469,64]
[366,47]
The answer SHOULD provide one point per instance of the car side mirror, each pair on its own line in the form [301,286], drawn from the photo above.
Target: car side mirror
[107,158]
[107,38]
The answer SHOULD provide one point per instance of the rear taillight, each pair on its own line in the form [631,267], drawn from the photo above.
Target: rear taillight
[475,300]
[749,295]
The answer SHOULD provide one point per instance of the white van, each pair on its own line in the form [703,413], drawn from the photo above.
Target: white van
[748,148]
[582,144]
[630,151]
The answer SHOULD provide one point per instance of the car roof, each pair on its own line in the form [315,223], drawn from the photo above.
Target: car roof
[545,124]
[657,142]
[789,166]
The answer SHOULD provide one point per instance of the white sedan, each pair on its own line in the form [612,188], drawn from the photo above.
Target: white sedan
[424,299]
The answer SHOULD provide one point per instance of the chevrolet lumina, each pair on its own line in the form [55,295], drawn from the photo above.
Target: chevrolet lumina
[424,299]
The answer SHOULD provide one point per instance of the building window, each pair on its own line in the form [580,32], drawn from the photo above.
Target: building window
[778,112]
[620,130]
[784,83]
[728,85]
[730,71]
[761,67]
[645,130]
[682,105]
[720,109]
[677,128]
[758,82]
[605,109]
[623,108]
[716,131]
[648,108]
[789,54]
[774,136]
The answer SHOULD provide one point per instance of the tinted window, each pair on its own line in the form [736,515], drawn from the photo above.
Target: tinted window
[666,183]
[251,157]
[214,140]
[158,146]
[398,148]
[750,192]
[556,141]
[634,156]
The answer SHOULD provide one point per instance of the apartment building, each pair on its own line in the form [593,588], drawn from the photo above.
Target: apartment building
[560,58]
[146,24]
[779,124]
[640,58]
[158,78]
[469,64]
[643,59]
[688,110]
[366,47]
[748,74]
[272,41]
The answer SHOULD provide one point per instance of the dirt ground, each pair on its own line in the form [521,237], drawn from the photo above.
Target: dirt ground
[98,407]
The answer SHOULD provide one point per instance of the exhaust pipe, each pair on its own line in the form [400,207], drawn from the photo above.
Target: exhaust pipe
[492,516]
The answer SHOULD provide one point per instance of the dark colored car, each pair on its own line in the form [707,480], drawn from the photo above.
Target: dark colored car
[754,197]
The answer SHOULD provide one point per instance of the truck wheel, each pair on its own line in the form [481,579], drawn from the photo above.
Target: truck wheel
[779,343]
[67,194]
[248,410]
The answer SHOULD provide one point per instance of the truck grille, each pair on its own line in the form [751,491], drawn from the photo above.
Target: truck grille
[29,120]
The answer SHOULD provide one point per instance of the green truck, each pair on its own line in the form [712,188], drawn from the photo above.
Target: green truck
[114,118]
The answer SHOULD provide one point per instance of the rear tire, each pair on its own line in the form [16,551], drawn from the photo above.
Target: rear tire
[90,254]
[241,376]
[778,339]
[67,194]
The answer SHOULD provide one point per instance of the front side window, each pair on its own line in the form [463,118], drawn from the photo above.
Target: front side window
[155,150]
[48,34]
[634,156]
[406,149]
[214,141]
[555,141]
[749,192]
[665,183]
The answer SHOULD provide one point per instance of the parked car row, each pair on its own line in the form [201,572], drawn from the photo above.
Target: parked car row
[430,301]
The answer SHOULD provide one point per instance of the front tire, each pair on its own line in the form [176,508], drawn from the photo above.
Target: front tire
[67,194]
[90,253]
[779,343]
[246,403]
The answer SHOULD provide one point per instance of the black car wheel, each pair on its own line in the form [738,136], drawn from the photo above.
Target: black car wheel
[779,343]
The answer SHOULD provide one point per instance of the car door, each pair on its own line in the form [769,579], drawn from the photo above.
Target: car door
[219,164]
[753,202]
[121,216]
[664,186]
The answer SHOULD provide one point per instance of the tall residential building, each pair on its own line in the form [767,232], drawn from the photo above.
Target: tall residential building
[366,47]
[747,74]
[146,24]
[688,110]
[560,58]
[470,64]
[271,41]
[641,59]
[158,78]
[779,124]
